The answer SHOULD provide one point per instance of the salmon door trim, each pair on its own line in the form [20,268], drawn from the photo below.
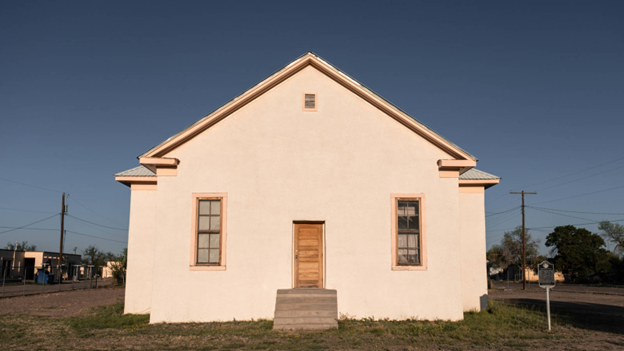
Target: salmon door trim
[309,225]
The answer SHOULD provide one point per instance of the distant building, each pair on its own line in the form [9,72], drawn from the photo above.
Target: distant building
[25,264]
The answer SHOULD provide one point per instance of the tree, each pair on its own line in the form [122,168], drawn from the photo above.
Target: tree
[614,233]
[118,267]
[578,252]
[511,247]
[92,255]
[495,256]
[21,246]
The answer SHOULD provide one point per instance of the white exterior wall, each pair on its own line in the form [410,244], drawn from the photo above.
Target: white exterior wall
[473,251]
[140,251]
[279,164]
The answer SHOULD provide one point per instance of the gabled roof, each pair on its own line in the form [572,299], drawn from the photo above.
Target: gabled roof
[140,171]
[475,174]
[308,59]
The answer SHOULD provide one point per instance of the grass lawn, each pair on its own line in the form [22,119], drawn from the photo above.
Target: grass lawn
[502,326]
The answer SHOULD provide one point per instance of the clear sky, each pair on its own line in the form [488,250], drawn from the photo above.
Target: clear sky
[534,89]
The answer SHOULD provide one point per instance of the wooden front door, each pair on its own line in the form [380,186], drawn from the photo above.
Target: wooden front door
[308,255]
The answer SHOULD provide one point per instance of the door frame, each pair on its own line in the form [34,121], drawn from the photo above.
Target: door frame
[292,250]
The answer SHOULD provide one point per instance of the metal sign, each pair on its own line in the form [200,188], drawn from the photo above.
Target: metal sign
[546,272]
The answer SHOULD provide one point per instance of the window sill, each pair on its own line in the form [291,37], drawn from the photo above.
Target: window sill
[207,268]
[409,268]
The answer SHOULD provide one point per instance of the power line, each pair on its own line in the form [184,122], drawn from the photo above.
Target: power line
[501,219]
[498,213]
[79,203]
[30,185]
[559,214]
[597,213]
[561,177]
[100,225]
[576,180]
[104,231]
[55,230]
[573,173]
[16,228]
[537,228]
[575,196]
[20,210]
[97,237]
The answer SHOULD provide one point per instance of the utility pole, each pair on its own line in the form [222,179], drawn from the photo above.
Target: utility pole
[60,258]
[523,238]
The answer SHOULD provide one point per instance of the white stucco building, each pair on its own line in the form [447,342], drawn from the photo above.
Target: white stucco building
[306,180]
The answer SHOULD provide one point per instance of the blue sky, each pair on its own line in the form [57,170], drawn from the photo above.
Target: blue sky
[534,89]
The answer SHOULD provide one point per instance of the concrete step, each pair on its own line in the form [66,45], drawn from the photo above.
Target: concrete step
[306,327]
[309,313]
[304,291]
[307,307]
[303,320]
[288,299]
[310,309]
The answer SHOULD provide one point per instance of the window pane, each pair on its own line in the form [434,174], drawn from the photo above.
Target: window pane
[214,256]
[412,214]
[215,222]
[402,241]
[401,208]
[402,256]
[204,223]
[215,207]
[202,241]
[202,256]
[413,241]
[413,256]
[214,241]
[204,207]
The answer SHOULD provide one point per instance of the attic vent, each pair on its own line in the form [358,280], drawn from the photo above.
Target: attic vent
[309,101]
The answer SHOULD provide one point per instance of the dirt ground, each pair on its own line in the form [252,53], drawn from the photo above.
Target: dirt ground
[61,304]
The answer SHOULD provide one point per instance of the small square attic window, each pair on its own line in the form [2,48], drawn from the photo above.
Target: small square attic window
[310,101]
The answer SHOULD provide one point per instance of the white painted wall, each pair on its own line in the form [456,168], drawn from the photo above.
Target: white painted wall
[473,251]
[279,164]
[140,251]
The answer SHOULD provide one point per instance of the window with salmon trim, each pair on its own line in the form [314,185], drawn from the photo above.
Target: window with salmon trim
[408,234]
[208,250]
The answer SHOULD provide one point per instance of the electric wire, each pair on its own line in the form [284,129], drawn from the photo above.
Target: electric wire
[573,173]
[81,204]
[576,180]
[50,229]
[575,196]
[97,237]
[502,212]
[101,230]
[99,225]
[24,226]
[596,213]
[561,177]
[30,185]
[20,210]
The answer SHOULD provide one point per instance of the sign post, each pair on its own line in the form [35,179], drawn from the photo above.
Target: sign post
[546,272]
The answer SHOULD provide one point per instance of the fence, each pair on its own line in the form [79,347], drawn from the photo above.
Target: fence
[44,279]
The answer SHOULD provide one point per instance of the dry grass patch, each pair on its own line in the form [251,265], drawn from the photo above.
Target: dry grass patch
[502,327]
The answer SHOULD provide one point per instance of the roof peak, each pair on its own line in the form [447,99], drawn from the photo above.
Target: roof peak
[307,59]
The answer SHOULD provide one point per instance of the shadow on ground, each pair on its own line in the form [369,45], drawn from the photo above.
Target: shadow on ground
[605,318]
